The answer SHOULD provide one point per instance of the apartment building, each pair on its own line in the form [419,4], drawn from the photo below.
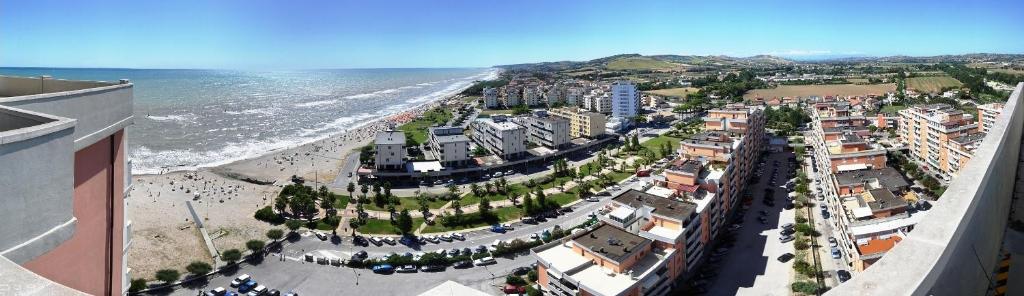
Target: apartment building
[574,96]
[987,115]
[867,201]
[449,146]
[598,101]
[390,150]
[490,95]
[500,136]
[543,130]
[928,129]
[625,99]
[582,124]
[512,97]
[532,96]
[555,95]
[607,260]
[66,175]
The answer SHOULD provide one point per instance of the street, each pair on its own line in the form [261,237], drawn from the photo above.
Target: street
[751,267]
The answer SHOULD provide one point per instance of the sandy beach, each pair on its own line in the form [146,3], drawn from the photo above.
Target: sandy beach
[164,235]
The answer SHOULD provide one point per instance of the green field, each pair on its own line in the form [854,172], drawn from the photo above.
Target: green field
[404,202]
[656,143]
[639,63]
[892,109]
[383,226]
[932,84]
[674,92]
[504,214]
[821,90]
[417,129]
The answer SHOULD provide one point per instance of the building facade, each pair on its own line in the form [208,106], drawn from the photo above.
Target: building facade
[532,96]
[512,97]
[65,175]
[927,131]
[449,146]
[390,150]
[625,99]
[987,115]
[582,124]
[500,136]
[490,95]
[543,130]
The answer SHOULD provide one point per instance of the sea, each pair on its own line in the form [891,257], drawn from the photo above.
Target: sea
[188,119]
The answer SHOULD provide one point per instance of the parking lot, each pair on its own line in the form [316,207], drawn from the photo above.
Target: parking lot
[751,265]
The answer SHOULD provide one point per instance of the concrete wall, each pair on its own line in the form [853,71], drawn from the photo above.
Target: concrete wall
[100,112]
[36,164]
[24,86]
[955,249]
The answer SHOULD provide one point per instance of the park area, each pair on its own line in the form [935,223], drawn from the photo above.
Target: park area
[932,84]
[821,90]
[674,92]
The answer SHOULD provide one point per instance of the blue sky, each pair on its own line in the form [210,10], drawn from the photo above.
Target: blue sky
[303,34]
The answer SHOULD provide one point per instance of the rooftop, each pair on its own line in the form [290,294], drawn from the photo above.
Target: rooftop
[882,199]
[448,134]
[390,137]
[611,242]
[886,177]
[691,167]
[661,206]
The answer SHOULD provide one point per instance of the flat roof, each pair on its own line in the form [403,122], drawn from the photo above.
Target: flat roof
[611,242]
[391,137]
[667,207]
[691,166]
[883,199]
[886,177]
[450,288]
[561,258]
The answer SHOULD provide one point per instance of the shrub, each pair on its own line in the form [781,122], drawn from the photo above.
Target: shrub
[255,245]
[532,275]
[275,234]
[515,280]
[232,255]
[266,214]
[198,268]
[801,220]
[137,285]
[167,275]
[803,228]
[807,288]
[293,225]
[801,244]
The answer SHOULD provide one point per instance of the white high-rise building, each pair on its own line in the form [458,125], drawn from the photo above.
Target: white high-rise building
[512,97]
[574,96]
[598,101]
[532,96]
[500,136]
[625,99]
[490,98]
[555,95]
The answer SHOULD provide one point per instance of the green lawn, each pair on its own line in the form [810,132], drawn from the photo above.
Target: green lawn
[932,84]
[563,198]
[496,111]
[405,202]
[417,129]
[656,143]
[504,214]
[892,109]
[674,92]
[341,201]
[382,226]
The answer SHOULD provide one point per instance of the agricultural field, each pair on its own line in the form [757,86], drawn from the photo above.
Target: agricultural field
[932,84]
[821,90]
[674,92]
[639,63]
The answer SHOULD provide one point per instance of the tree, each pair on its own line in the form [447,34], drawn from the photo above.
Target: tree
[475,189]
[198,268]
[636,142]
[503,185]
[137,285]
[364,189]
[255,245]
[542,200]
[513,198]
[293,225]
[488,186]
[281,204]
[275,234]
[528,206]
[231,255]
[167,275]
[351,188]
[485,208]
[405,222]
[453,191]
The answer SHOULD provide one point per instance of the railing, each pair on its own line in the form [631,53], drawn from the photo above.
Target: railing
[954,250]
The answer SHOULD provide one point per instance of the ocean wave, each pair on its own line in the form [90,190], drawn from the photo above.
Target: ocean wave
[316,103]
[178,118]
[260,111]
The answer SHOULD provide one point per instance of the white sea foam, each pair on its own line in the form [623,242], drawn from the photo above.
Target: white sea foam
[316,103]
[178,118]
[259,111]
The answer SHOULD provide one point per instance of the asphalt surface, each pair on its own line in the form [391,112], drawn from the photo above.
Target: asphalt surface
[751,267]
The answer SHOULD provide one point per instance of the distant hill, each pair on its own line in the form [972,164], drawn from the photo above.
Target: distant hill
[629,62]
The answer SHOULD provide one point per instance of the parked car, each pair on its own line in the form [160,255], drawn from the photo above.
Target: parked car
[534,236]
[832,242]
[383,268]
[481,249]
[512,289]
[786,257]
[406,269]
[458,236]
[529,220]
[219,291]
[454,252]
[843,275]
[376,241]
[322,236]
[497,228]
[788,226]
[787,231]
[786,239]
[522,270]
[463,264]
[835,253]
[257,291]
[273,292]
[446,237]
[432,268]
[240,279]
[467,251]
[484,261]
[508,227]
[390,240]
[246,286]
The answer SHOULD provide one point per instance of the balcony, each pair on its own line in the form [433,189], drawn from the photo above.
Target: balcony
[954,249]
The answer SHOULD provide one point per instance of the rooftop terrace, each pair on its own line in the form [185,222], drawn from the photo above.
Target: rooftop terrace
[661,206]
[611,242]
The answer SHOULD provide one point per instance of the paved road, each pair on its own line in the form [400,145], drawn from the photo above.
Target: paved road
[751,267]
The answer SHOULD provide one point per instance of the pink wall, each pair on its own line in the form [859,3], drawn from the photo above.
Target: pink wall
[93,254]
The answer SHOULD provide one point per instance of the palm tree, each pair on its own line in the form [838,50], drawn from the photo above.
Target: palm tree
[513,197]
[475,189]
